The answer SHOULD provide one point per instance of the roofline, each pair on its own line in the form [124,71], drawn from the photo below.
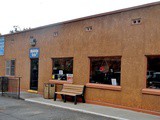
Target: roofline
[88,17]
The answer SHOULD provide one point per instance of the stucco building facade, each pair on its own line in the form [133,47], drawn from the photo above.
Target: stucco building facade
[131,35]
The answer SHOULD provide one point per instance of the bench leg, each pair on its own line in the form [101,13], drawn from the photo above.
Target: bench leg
[64,98]
[75,100]
[55,96]
[83,100]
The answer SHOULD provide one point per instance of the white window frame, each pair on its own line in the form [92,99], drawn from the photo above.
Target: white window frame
[8,67]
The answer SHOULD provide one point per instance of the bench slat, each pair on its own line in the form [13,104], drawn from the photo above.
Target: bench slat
[72,88]
[72,92]
[77,89]
[67,93]
[71,85]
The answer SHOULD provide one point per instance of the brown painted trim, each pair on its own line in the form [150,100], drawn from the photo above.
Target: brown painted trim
[145,70]
[91,16]
[152,55]
[102,86]
[151,91]
[123,107]
[60,82]
[62,57]
[109,56]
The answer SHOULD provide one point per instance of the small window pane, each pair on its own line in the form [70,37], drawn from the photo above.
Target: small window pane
[8,63]
[12,71]
[7,71]
[105,70]
[12,63]
[153,72]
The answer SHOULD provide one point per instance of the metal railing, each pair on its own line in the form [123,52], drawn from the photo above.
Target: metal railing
[10,86]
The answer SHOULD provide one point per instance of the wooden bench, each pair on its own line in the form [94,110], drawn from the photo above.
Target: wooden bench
[71,90]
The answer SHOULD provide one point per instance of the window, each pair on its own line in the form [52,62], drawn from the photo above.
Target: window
[153,72]
[10,67]
[62,69]
[105,70]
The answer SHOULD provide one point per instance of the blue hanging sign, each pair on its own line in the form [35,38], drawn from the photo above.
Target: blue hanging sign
[34,53]
[1,45]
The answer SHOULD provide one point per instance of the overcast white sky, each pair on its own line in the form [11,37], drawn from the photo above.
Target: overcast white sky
[35,13]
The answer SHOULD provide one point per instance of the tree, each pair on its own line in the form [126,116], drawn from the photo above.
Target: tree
[18,29]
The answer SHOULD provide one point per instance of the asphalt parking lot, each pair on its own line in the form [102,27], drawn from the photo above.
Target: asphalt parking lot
[13,109]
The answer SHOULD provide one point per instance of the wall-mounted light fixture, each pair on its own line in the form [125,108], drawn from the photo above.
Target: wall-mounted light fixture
[32,41]
[12,40]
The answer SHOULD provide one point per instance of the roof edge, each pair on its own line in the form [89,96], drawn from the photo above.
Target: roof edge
[88,17]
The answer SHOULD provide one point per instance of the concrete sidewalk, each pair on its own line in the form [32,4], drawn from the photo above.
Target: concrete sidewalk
[120,114]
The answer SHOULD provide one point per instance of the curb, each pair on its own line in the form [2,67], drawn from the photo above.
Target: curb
[73,109]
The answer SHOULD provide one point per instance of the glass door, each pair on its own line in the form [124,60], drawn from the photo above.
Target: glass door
[34,74]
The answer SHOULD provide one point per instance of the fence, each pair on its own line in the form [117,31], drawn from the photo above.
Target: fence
[10,86]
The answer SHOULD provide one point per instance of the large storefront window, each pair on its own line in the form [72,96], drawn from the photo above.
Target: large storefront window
[153,72]
[105,70]
[62,69]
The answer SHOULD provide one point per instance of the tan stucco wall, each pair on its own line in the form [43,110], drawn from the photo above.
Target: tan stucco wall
[112,35]
[2,66]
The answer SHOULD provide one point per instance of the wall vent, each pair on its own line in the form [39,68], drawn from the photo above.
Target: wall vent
[136,21]
[89,28]
[55,34]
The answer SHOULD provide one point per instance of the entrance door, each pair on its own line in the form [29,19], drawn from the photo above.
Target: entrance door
[34,74]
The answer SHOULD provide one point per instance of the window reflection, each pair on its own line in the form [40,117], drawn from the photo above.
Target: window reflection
[62,69]
[153,72]
[105,70]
